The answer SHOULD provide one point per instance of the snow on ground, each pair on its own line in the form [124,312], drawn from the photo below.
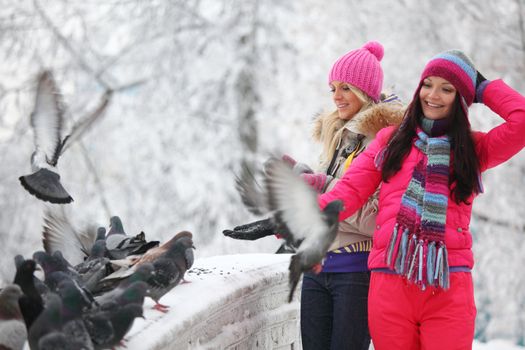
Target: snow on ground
[232,302]
[496,345]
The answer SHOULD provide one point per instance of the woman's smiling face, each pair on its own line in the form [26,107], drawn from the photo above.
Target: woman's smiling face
[347,103]
[437,97]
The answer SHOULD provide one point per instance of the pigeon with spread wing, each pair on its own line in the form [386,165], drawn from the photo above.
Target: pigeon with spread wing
[47,121]
[297,217]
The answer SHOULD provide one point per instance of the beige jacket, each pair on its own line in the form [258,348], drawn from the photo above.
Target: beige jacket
[355,135]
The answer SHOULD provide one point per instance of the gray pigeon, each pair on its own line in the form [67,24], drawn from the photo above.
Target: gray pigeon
[124,277]
[53,263]
[120,245]
[48,330]
[297,212]
[47,121]
[122,320]
[31,303]
[123,295]
[39,285]
[13,332]
[101,234]
[49,320]
[170,262]
[75,300]
[57,340]
[108,328]
[95,267]
[115,226]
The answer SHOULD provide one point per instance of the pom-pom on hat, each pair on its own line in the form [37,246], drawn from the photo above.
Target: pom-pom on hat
[458,69]
[361,68]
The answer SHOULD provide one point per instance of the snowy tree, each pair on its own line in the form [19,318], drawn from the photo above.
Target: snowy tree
[205,86]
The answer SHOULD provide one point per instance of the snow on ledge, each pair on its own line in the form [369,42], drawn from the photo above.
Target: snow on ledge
[231,302]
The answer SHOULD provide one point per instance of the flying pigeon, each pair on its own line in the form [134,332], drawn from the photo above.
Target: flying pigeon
[255,198]
[297,215]
[13,332]
[47,121]
[31,303]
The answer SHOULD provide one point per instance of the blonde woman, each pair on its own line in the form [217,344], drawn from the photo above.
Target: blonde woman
[334,302]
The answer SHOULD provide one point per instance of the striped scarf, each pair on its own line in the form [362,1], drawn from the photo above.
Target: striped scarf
[417,246]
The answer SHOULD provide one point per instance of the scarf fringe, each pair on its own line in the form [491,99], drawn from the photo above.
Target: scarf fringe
[424,263]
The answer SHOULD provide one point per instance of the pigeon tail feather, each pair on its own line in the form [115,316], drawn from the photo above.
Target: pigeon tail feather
[45,185]
[295,274]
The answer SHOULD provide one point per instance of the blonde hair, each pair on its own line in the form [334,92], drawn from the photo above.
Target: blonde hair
[332,129]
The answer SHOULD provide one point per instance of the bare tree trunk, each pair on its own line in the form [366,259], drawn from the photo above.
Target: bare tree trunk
[245,87]
[521,9]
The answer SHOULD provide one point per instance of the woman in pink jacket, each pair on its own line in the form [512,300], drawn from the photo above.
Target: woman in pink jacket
[421,293]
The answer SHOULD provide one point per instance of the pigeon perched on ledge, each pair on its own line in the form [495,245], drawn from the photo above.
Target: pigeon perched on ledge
[47,121]
[120,245]
[165,267]
[13,332]
[31,303]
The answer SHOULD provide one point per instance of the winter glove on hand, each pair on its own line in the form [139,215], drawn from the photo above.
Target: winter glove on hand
[252,231]
[298,167]
[317,181]
[481,84]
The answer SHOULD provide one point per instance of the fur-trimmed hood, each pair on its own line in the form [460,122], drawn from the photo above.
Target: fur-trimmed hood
[367,122]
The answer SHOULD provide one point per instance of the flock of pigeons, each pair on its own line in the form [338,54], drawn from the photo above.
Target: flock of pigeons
[94,282]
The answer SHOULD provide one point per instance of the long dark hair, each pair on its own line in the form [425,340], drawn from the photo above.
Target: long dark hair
[464,180]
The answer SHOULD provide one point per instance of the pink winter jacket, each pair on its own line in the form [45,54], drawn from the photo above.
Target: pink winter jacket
[363,177]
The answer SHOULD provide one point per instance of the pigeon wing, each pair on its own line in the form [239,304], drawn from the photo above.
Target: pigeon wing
[47,118]
[59,234]
[81,127]
[251,192]
[294,202]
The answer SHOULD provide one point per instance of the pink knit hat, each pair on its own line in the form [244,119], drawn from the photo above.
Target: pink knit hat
[458,69]
[361,69]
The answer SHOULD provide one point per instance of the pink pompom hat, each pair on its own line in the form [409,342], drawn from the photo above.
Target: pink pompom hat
[362,69]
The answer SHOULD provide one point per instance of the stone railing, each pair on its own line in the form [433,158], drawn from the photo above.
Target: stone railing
[230,302]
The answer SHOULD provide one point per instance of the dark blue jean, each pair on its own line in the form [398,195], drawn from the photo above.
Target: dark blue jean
[334,311]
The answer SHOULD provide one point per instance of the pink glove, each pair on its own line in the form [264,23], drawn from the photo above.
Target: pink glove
[317,181]
[298,167]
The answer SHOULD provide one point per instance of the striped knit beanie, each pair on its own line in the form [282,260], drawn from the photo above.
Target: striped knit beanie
[458,69]
[361,68]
